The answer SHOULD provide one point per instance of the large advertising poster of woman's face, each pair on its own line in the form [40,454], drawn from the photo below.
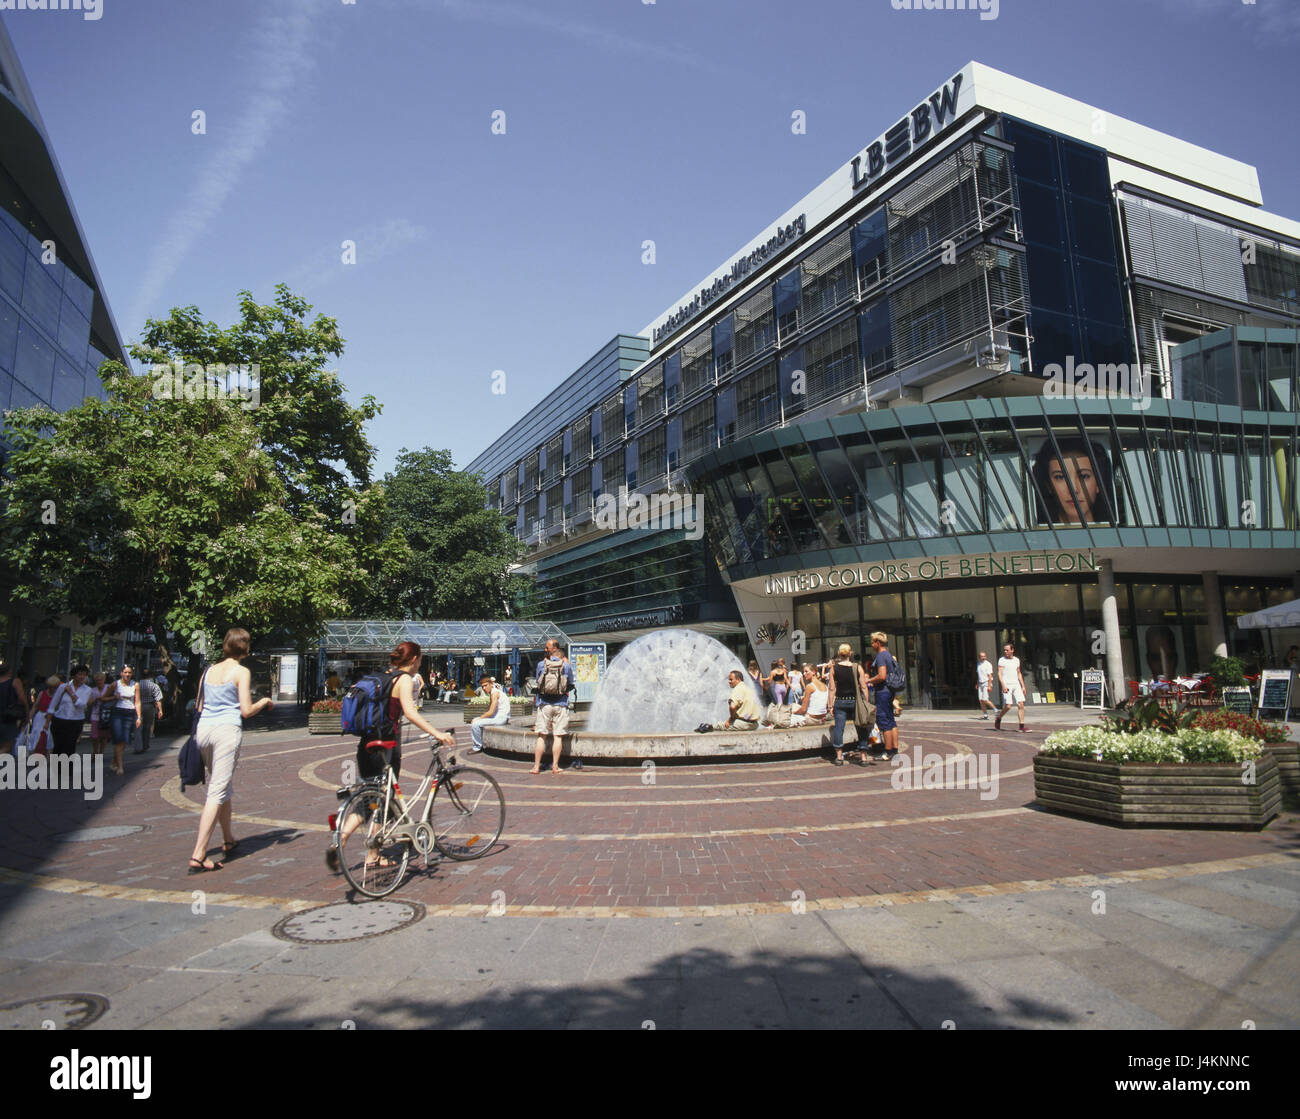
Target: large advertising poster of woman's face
[1073,482]
[1160,651]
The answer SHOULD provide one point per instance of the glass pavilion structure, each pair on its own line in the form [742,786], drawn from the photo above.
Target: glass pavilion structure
[366,644]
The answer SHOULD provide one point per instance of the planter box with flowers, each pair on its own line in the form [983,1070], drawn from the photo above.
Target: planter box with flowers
[1275,738]
[323,718]
[1188,776]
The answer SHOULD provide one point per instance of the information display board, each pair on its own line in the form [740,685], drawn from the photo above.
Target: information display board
[1238,699]
[1274,691]
[1092,689]
[588,662]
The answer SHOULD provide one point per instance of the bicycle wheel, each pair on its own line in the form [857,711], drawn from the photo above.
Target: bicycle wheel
[468,813]
[372,861]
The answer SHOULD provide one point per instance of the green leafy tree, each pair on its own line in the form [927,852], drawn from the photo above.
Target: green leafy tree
[313,437]
[192,511]
[461,551]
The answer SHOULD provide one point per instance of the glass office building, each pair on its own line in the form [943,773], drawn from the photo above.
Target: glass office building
[1020,370]
[55,331]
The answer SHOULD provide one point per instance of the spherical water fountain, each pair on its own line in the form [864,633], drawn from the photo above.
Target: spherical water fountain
[667,682]
[650,700]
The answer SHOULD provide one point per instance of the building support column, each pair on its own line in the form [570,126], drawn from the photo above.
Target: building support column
[1110,629]
[1214,614]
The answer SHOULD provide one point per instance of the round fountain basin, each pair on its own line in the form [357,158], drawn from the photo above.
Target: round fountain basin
[718,745]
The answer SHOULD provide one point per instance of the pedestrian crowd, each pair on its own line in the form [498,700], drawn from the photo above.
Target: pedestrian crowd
[51,720]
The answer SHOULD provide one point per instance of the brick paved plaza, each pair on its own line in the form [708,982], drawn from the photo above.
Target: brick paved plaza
[765,894]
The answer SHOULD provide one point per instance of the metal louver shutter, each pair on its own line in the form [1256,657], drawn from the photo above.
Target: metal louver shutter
[1141,248]
[1178,254]
[1221,262]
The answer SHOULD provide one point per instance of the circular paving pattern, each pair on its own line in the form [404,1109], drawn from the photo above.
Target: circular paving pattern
[53,1012]
[341,923]
[667,840]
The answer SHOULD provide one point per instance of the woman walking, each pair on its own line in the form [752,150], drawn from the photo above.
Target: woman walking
[844,679]
[225,700]
[124,715]
[69,710]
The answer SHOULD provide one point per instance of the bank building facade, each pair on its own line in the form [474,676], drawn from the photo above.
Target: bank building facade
[1020,370]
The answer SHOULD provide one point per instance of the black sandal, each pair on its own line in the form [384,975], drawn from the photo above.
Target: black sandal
[200,866]
[229,848]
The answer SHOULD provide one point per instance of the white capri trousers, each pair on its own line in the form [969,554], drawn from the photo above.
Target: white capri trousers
[219,745]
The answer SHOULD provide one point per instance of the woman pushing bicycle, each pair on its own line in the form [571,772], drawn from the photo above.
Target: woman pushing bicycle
[404,662]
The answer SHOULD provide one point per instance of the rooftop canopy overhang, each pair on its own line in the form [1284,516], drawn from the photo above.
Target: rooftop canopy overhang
[439,637]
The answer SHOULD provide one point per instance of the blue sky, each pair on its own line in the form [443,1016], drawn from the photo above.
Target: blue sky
[625,121]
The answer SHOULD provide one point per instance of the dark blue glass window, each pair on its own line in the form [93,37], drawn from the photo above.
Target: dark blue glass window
[13,259]
[595,431]
[785,302]
[674,443]
[672,378]
[870,239]
[726,405]
[34,362]
[875,334]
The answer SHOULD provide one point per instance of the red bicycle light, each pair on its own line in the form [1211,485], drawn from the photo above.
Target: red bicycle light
[334,821]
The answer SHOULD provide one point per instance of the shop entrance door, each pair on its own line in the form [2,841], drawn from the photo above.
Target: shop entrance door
[950,660]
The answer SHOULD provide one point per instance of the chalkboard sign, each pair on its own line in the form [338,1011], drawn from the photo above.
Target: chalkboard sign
[1274,690]
[1092,689]
[1238,699]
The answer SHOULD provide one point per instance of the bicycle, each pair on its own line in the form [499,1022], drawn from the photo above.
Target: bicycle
[463,817]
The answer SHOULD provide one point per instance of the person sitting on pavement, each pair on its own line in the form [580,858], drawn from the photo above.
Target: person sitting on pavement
[497,714]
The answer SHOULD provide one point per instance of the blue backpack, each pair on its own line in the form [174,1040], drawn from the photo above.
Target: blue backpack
[365,707]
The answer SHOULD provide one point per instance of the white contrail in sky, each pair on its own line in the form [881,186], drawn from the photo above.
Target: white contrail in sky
[281,57]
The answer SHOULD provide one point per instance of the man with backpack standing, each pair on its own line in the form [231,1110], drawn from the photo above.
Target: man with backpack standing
[888,682]
[554,682]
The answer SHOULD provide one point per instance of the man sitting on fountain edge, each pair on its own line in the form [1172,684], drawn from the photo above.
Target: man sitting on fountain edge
[743,712]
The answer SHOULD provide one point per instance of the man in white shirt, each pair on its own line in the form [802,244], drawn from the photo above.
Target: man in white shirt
[984,684]
[1013,686]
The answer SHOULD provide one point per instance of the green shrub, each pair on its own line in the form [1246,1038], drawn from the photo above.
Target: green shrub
[1148,714]
[1227,672]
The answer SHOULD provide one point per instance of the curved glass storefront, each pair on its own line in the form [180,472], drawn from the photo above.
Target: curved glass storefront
[990,476]
[959,526]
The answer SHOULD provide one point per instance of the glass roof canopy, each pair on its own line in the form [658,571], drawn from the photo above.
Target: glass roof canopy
[441,637]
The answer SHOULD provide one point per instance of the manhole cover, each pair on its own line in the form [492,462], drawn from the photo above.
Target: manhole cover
[53,1012]
[94,835]
[338,923]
